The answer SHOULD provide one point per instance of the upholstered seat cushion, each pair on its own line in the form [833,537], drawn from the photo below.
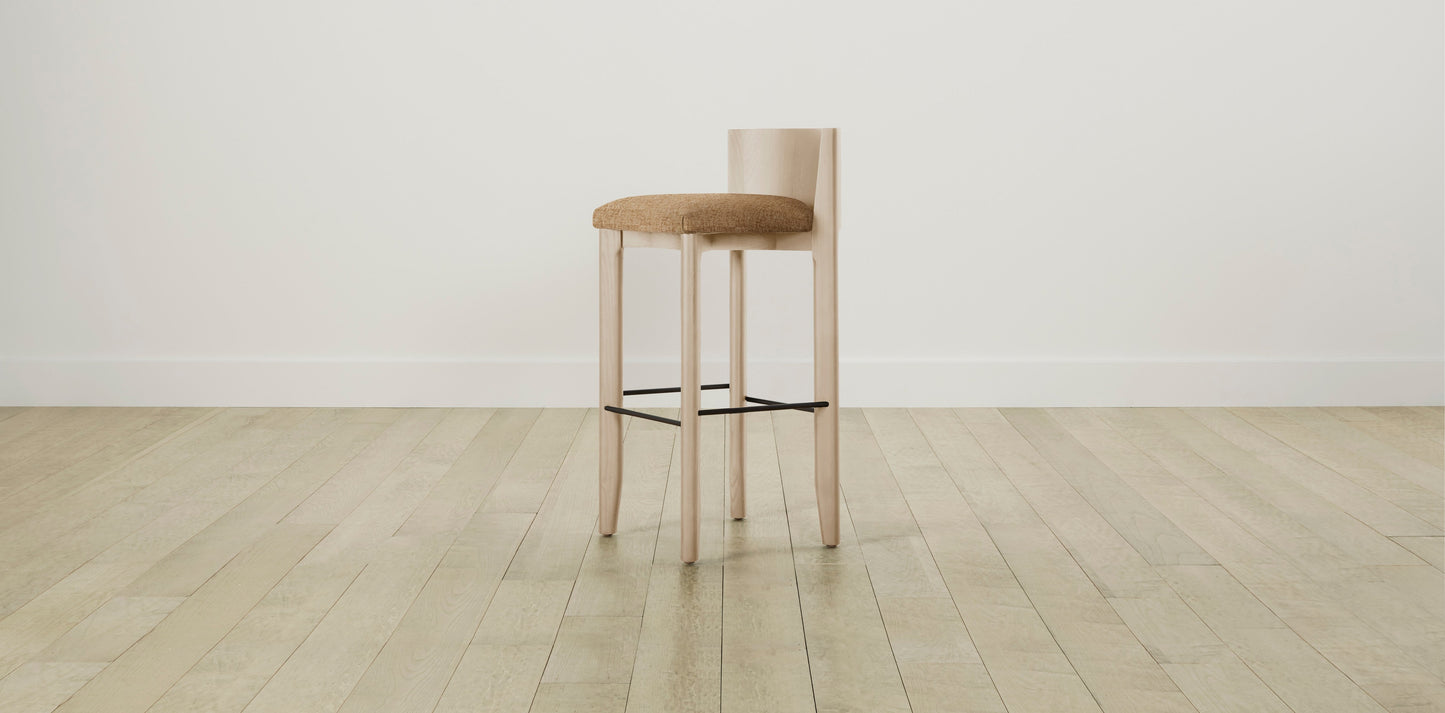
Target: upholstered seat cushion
[706,213]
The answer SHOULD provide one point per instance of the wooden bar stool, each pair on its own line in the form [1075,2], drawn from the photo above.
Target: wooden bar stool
[781,196]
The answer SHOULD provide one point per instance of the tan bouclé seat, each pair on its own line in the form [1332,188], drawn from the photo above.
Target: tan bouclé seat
[701,213]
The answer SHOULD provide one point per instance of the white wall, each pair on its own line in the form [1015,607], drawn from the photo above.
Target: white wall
[1042,202]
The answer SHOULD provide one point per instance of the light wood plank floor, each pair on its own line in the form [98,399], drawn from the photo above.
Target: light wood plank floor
[1112,560]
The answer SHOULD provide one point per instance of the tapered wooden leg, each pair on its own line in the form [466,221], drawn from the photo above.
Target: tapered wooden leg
[609,460]
[691,397]
[825,386]
[737,484]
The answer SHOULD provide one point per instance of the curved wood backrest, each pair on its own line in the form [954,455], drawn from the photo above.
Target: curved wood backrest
[798,163]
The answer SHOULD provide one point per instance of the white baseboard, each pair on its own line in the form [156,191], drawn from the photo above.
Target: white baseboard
[864,383]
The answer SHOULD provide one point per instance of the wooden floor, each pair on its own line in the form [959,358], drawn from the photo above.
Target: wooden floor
[316,560]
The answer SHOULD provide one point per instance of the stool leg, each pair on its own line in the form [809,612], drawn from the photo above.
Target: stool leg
[609,457]
[691,397]
[737,486]
[825,387]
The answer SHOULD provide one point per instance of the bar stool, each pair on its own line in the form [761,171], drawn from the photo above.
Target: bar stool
[781,196]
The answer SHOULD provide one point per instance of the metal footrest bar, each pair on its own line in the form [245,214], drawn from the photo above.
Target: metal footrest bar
[640,414]
[775,406]
[765,405]
[800,407]
[671,390]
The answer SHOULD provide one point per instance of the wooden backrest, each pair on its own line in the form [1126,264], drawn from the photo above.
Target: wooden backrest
[798,163]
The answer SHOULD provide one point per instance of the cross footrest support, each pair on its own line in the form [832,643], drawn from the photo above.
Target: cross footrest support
[763,404]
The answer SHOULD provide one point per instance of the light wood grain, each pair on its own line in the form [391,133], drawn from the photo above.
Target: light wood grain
[593,649]
[1315,608]
[825,336]
[1399,488]
[530,473]
[1262,484]
[678,667]
[1145,529]
[109,449]
[802,164]
[737,389]
[390,504]
[1027,665]
[146,670]
[1169,631]
[1407,441]
[1425,474]
[75,528]
[1430,549]
[1428,422]
[22,421]
[503,664]
[591,697]
[852,663]
[236,668]
[411,671]
[448,560]
[615,571]
[233,672]
[267,447]
[563,526]
[764,648]
[1297,571]
[1345,494]
[1107,655]
[189,566]
[514,444]
[323,670]
[689,433]
[1296,672]
[64,445]
[40,686]
[354,483]
[114,627]
[1224,687]
[609,473]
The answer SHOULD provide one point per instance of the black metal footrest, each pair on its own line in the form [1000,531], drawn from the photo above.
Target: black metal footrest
[640,414]
[768,406]
[672,389]
[763,404]
[808,406]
